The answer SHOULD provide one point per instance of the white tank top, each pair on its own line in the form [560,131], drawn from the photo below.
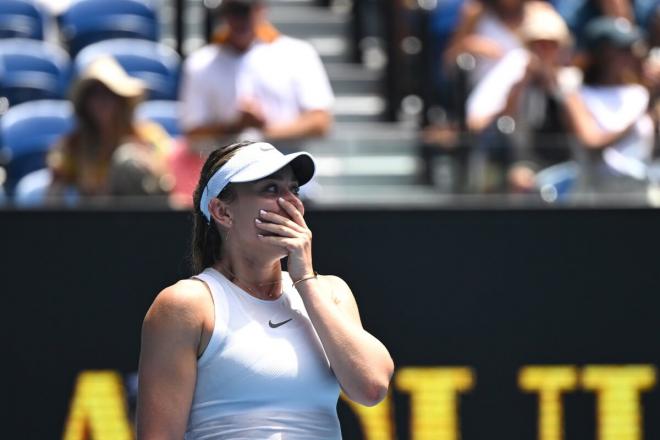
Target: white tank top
[264,373]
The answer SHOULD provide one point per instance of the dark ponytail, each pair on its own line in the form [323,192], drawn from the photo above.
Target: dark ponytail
[206,247]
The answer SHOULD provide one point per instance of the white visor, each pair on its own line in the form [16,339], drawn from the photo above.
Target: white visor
[254,162]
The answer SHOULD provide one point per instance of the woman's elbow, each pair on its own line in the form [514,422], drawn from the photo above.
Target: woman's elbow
[378,386]
[374,393]
[376,396]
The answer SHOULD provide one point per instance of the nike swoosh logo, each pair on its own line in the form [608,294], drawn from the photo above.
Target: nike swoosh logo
[271,324]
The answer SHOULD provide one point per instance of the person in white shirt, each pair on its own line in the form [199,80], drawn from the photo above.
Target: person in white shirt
[609,114]
[251,82]
[518,99]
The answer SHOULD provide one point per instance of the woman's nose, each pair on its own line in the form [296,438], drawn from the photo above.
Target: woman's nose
[293,198]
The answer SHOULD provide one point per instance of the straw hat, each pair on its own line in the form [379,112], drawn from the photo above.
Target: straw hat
[543,22]
[108,72]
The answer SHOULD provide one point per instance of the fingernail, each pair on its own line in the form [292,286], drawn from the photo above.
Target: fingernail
[260,236]
[262,212]
[256,220]
[282,199]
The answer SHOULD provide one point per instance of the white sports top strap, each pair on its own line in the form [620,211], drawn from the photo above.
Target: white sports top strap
[220,314]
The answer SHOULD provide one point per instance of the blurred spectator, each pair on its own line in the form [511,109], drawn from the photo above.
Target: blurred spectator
[109,153]
[252,82]
[578,13]
[610,113]
[488,29]
[518,103]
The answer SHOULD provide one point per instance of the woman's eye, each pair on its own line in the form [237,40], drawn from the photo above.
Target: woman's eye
[295,190]
[271,188]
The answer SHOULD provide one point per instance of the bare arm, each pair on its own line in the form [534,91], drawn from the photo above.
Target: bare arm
[616,8]
[586,128]
[311,123]
[216,129]
[168,362]
[360,362]
[464,39]
[249,116]
[470,14]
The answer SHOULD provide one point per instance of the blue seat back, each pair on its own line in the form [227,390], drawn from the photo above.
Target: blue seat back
[28,132]
[89,21]
[31,70]
[165,113]
[155,63]
[556,182]
[21,19]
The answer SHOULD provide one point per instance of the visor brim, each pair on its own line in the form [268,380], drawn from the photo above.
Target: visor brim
[302,163]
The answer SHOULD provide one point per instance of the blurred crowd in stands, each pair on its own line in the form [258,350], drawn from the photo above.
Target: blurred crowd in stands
[557,98]
[103,109]
[552,97]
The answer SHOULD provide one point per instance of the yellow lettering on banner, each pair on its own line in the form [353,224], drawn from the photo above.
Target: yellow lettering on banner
[376,421]
[618,388]
[549,382]
[98,408]
[433,398]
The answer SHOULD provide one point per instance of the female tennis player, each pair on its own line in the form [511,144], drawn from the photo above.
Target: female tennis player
[244,350]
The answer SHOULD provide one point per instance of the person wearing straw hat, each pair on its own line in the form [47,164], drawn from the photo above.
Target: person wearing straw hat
[245,350]
[108,150]
[518,100]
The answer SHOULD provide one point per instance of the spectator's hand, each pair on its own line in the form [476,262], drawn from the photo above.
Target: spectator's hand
[251,115]
[541,72]
[652,75]
[522,179]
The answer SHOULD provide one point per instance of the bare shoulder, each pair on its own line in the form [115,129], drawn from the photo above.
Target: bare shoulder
[184,304]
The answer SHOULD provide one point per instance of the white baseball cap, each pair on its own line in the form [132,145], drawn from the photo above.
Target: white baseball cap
[254,162]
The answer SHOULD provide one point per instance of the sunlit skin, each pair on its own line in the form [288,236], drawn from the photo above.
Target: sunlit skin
[262,224]
[258,223]
[547,50]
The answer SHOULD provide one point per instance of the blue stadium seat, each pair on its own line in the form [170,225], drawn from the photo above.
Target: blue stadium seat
[21,19]
[165,113]
[90,21]
[155,63]
[31,70]
[28,131]
[3,196]
[31,189]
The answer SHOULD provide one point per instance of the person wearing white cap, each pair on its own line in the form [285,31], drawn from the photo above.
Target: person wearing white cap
[244,350]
